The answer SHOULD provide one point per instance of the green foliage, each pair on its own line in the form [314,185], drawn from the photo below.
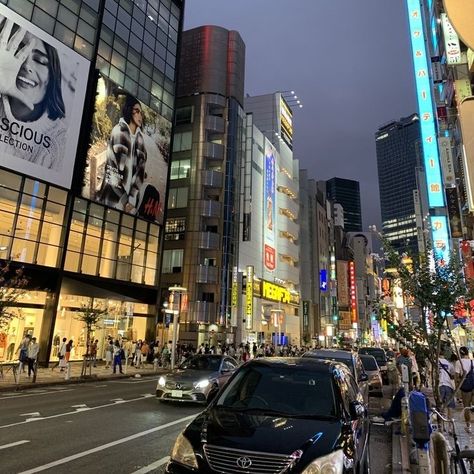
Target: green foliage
[13,285]
[91,314]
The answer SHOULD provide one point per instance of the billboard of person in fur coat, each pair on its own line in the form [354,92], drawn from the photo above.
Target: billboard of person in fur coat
[127,163]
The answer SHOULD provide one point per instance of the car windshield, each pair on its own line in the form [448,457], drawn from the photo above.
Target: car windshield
[346,361]
[280,390]
[369,363]
[202,363]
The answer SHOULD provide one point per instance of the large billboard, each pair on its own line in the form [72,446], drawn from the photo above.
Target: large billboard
[286,123]
[42,90]
[269,207]
[127,162]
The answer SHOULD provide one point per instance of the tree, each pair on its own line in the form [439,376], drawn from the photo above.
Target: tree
[435,286]
[13,285]
[90,314]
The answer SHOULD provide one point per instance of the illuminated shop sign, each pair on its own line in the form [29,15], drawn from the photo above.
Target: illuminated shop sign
[323,280]
[451,41]
[439,229]
[249,298]
[352,285]
[342,283]
[447,161]
[235,297]
[286,123]
[41,100]
[269,208]
[425,106]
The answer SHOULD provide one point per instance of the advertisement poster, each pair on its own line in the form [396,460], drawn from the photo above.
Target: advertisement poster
[269,211]
[42,90]
[127,162]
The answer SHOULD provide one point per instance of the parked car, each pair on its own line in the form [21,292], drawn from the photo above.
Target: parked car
[380,357]
[279,414]
[351,360]
[373,372]
[196,378]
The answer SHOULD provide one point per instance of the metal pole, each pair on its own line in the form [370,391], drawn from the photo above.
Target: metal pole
[175,334]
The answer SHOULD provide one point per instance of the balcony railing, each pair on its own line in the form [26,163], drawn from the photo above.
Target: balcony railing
[203,312]
[213,151]
[207,274]
[208,240]
[214,124]
[210,208]
[212,179]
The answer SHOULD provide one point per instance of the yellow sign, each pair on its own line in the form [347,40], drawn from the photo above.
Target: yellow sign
[273,292]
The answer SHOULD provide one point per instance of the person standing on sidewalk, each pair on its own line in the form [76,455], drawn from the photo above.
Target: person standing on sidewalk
[109,352]
[61,356]
[404,359]
[446,384]
[23,353]
[466,366]
[33,350]
[117,357]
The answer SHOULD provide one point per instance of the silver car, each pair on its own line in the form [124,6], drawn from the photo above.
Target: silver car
[196,378]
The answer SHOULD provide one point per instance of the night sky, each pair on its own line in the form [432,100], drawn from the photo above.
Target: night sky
[349,63]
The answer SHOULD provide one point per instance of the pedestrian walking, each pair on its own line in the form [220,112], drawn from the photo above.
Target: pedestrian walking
[446,384]
[93,352]
[465,366]
[33,350]
[118,352]
[23,353]
[109,352]
[67,353]
[61,356]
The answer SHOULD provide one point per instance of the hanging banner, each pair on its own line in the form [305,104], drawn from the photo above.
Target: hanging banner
[447,164]
[249,298]
[451,41]
[454,212]
[269,209]
[234,307]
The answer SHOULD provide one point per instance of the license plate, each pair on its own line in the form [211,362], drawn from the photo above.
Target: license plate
[177,393]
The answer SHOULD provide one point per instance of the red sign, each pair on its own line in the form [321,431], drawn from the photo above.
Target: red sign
[352,284]
[270,257]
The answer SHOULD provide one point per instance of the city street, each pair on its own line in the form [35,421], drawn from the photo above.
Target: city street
[116,425]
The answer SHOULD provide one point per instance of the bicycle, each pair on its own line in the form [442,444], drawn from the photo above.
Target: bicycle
[457,457]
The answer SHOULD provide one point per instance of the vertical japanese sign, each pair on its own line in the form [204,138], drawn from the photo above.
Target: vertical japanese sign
[439,230]
[323,280]
[454,212]
[269,208]
[305,313]
[352,284]
[235,297]
[466,118]
[449,178]
[342,283]
[249,298]
[425,106]
[451,41]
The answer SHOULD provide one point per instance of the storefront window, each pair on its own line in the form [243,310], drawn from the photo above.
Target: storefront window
[123,321]
[29,222]
[28,321]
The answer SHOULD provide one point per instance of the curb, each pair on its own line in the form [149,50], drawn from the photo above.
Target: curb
[73,381]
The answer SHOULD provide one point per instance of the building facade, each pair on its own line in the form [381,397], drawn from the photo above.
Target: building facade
[346,192]
[201,230]
[398,150]
[84,166]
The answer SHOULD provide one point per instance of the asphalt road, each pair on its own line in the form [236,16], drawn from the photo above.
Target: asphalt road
[112,426]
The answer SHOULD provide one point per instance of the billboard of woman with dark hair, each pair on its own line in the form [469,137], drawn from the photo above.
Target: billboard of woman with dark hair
[40,102]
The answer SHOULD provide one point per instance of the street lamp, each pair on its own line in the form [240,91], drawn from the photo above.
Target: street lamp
[179,290]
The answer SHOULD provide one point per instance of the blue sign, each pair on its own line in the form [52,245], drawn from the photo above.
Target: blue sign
[440,235]
[323,280]
[425,106]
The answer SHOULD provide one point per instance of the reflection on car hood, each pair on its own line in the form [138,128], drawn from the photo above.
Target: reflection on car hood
[189,375]
[256,432]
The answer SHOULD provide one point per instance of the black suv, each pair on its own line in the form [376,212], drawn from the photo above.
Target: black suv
[292,415]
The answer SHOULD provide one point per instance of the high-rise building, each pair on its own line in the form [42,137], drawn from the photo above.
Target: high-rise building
[346,192]
[84,164]
[397,146]
[201,230]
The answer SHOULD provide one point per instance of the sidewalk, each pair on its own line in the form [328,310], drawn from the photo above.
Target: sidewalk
[46,376]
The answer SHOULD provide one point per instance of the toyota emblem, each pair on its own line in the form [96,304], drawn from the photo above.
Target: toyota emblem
[244,462]
[178,386]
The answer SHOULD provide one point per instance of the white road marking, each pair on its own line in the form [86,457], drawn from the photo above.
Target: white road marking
[97,449]
[34,413]
[72,412]
[135,381]
[152,466]
[82,405]
[16,443]
[16,395]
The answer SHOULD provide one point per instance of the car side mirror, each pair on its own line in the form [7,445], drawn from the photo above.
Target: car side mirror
[356,410]
[363,377]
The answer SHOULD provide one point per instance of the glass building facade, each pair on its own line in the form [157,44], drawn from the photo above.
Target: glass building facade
[74,250]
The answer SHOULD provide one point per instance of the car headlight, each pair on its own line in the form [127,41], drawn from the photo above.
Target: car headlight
[161,381]
[202,384]
[330,464]
[183,452]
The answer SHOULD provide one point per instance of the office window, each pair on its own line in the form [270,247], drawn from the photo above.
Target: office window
[172,261]
[182,141]
[177,198]
[184,115]
[180,169]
